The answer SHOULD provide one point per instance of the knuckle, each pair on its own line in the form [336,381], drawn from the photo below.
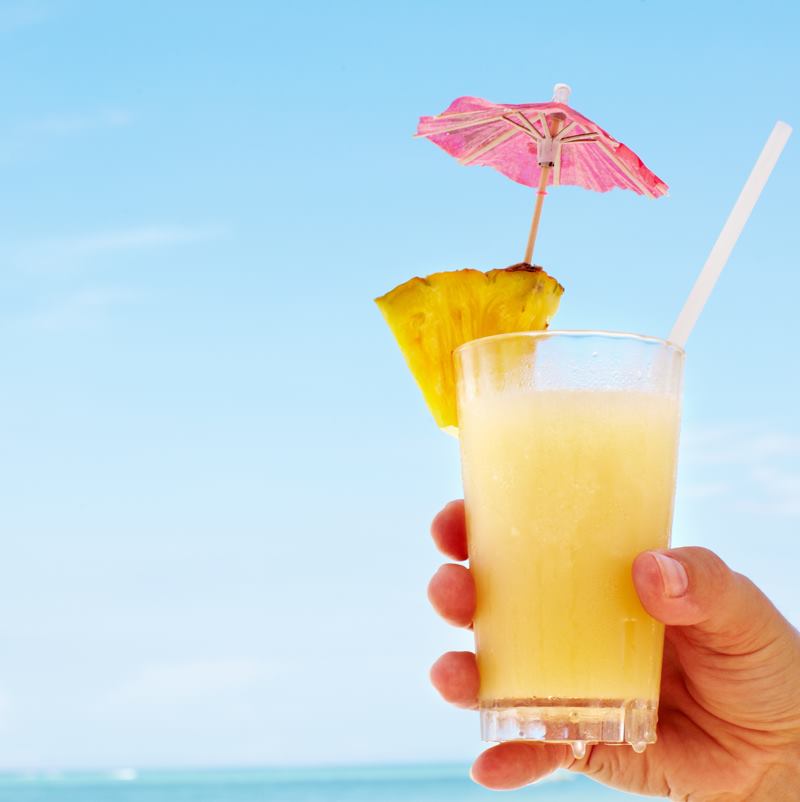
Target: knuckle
[708,571]
[717,574]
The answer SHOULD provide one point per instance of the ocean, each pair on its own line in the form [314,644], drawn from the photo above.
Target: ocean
[423,783]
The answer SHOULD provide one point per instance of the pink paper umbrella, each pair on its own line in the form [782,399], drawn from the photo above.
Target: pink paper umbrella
[537,144]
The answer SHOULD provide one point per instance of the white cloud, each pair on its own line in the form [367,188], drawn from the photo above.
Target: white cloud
[84,307]
[66,124]
[181,683]
[780,487]
[20,140]
[75,251]
[738,445]
[758,468]
[80,309]
[142,237]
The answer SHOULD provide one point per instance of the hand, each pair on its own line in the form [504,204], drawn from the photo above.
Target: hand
[729,714]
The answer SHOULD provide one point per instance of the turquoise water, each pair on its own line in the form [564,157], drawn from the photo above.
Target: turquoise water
[374,784]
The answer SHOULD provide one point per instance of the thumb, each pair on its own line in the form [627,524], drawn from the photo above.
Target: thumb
[738,653]
[692,587]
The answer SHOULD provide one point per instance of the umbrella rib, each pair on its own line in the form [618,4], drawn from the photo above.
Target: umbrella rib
[557,169]
[587,137]
[545,127]
[486,146]
[459,126]
[625,169]
[526,129]
[560,134]
[527,125]
[560,139]
[451,114]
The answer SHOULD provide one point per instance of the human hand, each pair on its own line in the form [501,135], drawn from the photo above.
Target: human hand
[729,713]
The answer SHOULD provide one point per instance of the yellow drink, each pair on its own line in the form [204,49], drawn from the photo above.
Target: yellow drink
[563,488]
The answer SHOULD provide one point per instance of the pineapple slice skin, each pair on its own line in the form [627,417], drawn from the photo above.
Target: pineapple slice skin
[431,317]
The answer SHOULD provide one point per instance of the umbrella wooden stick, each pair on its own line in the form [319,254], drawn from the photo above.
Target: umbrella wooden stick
[537,213]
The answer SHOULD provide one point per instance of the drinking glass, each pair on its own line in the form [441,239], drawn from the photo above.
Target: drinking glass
[569,451]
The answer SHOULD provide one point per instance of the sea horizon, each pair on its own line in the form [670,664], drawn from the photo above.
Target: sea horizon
[423,781]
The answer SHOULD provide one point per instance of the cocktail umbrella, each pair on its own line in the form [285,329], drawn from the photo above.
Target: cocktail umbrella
[539,144]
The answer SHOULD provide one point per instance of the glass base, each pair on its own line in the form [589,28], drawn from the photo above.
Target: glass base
[577,722]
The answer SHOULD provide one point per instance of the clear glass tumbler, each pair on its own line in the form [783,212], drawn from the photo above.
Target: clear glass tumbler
[569,452]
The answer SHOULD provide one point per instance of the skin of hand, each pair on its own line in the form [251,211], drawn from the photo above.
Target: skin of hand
[729,712]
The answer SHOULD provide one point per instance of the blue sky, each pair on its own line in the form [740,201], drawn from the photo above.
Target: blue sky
[217,475]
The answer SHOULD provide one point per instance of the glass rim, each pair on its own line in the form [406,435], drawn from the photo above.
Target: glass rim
[576,333]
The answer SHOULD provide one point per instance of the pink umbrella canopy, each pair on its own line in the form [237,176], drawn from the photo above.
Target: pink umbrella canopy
[516,139]
[539,144]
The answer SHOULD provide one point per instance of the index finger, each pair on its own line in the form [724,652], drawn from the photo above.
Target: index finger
[449,531]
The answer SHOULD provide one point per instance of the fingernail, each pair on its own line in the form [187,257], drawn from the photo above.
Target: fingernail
[673,575]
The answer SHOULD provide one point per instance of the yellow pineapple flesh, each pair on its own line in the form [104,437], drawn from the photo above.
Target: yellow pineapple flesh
[430,317]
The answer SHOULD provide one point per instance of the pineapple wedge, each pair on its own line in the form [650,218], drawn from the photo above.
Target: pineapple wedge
[430,317]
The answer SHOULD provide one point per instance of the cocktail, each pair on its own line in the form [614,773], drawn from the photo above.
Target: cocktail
[569,448]
[568,442]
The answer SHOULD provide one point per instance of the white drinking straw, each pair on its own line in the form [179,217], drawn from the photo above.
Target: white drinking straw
[730,234]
